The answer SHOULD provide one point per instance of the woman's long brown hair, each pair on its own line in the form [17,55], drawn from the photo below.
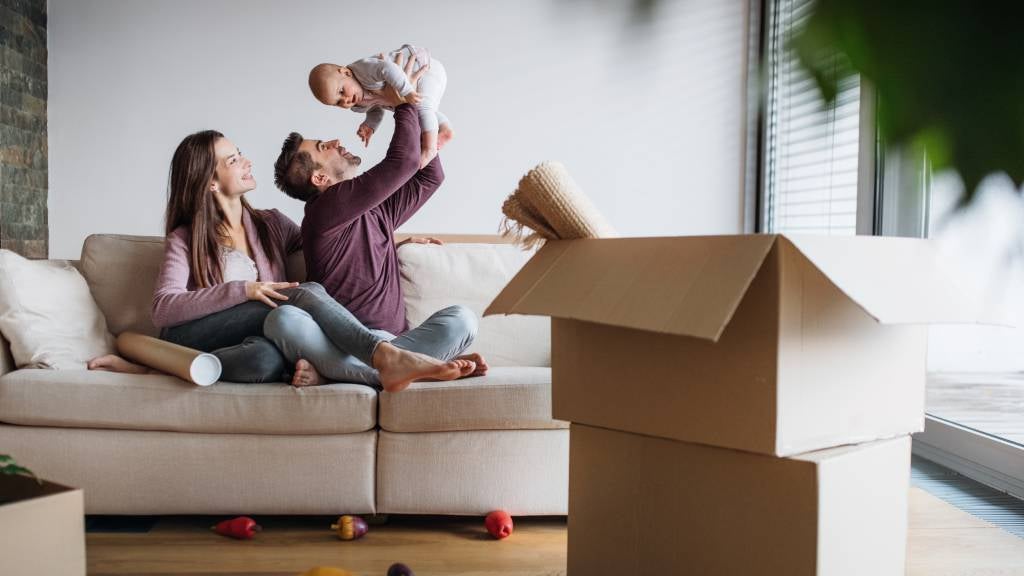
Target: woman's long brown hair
[190,203]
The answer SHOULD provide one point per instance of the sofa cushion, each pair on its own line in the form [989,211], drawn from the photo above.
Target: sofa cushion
[121,272]
[48,314]
[95,399]
[434,277]
[507,398]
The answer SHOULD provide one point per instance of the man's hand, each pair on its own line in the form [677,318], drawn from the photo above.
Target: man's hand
[264,291]
[419,240]
[364,133]
[413,98]
[391,94]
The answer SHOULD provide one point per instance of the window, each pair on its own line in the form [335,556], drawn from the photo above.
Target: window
[811,151]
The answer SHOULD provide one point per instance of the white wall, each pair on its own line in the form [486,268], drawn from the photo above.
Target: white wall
[984,245]
[648,119]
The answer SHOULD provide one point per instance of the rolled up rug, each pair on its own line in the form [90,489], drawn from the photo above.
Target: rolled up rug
[548,205]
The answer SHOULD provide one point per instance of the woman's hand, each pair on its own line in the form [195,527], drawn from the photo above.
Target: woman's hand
[264,291]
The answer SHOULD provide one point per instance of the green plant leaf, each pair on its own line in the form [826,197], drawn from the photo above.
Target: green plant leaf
[948,75]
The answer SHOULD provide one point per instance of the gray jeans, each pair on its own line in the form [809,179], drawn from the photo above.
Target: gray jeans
[236,335]
[257,343]
[298,334]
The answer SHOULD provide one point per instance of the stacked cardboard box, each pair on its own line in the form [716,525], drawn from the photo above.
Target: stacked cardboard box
[710,381]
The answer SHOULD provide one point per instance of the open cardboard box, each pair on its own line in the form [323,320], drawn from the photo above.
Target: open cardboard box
[42,528]
[771,344]
[641,505]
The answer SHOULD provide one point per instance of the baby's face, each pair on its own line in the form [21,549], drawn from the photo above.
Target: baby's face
[342,89]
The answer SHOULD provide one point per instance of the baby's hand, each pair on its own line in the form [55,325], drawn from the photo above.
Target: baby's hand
[413,97]
[364,132]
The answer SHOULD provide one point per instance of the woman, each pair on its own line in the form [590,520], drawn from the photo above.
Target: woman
[222,281]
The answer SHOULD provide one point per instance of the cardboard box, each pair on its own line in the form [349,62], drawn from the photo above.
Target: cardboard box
[771,344]
[641,505]
[42,528]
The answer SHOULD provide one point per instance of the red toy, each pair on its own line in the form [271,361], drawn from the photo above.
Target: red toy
[499,524]
[350,527]
[242,528]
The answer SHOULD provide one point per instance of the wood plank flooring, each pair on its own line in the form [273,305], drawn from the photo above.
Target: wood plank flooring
[943,541]
[991,403]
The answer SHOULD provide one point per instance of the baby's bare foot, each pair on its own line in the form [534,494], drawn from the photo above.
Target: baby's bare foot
[478,360]
[444,134]
[398,368]
[306,375]
[114,363]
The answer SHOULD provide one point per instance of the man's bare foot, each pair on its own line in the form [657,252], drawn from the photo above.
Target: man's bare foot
[444,134]
[306,375]
[481,364]
[114,363]
[398,368]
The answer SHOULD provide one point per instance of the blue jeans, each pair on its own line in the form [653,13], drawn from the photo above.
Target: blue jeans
[297,333]
[236,335]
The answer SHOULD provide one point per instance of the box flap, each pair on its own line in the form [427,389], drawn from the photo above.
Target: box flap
[687,286]
[894,280]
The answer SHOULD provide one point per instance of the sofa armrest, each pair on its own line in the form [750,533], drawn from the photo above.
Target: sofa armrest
[6,360]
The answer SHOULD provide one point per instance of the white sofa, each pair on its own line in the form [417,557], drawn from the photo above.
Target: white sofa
[154,444]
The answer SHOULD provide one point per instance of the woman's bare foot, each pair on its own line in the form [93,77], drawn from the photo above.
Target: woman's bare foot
[398,368]
[306,375]
[481,364]
[444,134]
[114,363]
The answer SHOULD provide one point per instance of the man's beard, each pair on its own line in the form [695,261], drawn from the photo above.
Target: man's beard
[341,170]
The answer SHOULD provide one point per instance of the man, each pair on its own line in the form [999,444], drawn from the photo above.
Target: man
[348,231]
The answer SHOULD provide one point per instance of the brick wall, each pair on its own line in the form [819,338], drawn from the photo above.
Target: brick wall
[23,151]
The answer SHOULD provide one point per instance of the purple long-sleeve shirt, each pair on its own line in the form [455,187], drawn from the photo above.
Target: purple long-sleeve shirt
[176,299]
[347,232]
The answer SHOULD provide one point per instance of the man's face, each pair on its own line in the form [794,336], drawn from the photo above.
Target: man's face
[337,163]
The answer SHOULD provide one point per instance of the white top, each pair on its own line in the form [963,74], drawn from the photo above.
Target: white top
[237,266]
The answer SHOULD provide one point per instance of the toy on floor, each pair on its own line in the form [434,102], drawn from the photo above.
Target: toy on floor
[350,527]
[499,524]
[399,569]
[326,571]
[241,528]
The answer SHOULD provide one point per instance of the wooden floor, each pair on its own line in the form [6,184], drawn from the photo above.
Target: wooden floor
[991,403]
[943,541]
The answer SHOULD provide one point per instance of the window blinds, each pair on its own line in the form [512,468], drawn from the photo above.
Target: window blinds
[811,150]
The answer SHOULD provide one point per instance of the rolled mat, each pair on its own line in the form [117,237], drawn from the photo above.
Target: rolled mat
[548,205]
[190,365]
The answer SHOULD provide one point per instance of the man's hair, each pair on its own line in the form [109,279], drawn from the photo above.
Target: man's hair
[293,171]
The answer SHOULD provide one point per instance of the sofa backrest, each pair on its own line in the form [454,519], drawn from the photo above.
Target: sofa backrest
[434,277]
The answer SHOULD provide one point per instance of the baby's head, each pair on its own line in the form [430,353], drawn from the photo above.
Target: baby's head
[335,86]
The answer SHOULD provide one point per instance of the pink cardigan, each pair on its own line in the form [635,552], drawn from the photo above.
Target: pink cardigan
[176,299]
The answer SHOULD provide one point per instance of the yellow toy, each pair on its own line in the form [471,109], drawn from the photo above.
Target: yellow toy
[326,571]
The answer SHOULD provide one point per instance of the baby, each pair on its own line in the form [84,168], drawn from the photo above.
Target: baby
[359,85]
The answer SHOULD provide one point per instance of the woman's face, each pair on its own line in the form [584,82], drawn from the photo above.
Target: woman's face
[233,175]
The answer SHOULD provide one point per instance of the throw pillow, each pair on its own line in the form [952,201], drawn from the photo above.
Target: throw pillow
[48,314]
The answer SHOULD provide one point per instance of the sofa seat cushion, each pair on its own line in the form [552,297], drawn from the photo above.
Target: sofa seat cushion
[507,398]
[95,399]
